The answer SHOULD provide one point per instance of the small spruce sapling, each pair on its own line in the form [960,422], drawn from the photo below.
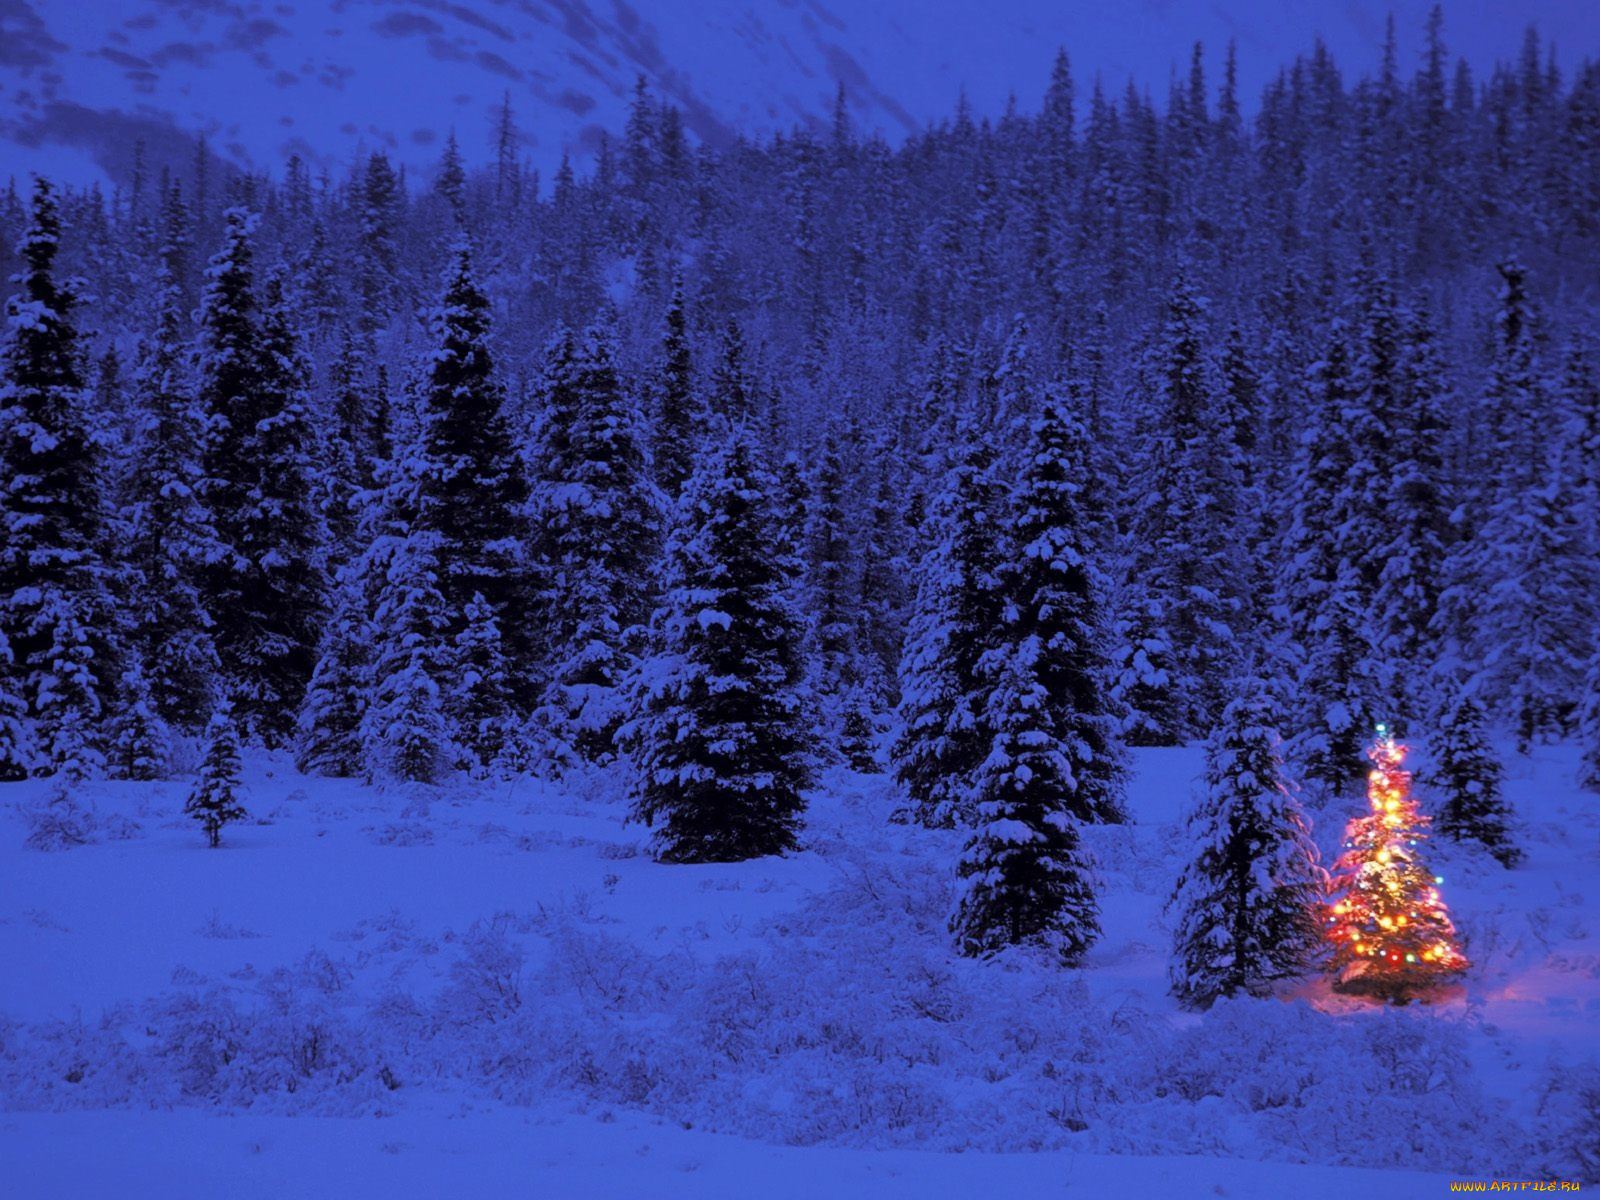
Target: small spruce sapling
[1247,906]
[215,799]
[1470,776]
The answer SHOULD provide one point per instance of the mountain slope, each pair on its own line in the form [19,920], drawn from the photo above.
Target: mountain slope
[81,84]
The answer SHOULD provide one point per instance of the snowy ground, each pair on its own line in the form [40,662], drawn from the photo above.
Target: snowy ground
[397,993]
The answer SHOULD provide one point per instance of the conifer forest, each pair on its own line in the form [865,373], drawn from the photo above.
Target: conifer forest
[1070,636]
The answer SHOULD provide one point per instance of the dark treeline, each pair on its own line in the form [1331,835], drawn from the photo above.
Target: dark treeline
[989,455]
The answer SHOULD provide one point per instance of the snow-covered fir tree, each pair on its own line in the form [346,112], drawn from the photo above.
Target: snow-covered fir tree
[598,530]
[1322,596]
[479,692]
[1471,778]
[954,622]
[217,798]
[471,483]
[1247,904]
[1413,518]
[721,756]
[1054,596]
[268,588]
[138,741]
[1188,563]
[171,541]
[55,609]
[1024,878]
[404,735]
[832,644]
[328,726]
[679,416]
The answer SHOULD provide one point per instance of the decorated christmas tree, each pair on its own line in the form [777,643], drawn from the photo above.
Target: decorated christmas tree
[1391,932]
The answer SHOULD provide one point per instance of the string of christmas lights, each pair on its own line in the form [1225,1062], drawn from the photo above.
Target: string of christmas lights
[1390,929]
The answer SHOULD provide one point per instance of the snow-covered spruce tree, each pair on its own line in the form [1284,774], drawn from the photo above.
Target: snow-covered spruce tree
[1415,517]
[598,523]
[284,536]
[1470,776]
[1024,879]
[884,596]
[376,265]
[834,668]
[171,539]
[679,418]
[1247,905]
[1054,595]
[355,444]
[69,702]
[471,488]
[1322,595]
[954,621]
[217,796]
[1189,557]
[329,724]
[792,502]
[227,382]
[719,749]
[268,587]
[404,735]
[478,696]
[731,391]
[138,736]
[50,498]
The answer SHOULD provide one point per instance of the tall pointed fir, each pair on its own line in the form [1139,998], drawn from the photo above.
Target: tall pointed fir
[216,800]
[954,619]
[1471,777]
[598,534]
[678,415]
[1386,921]
[172,541]
[1024,880]
[404,734]
[1188,557]
[833,651]
[231,388]
[1414,517]
[478,694]
[71,705]
[472,488]
[55,609]
[716,733]
[1247,905]
[1322,596]
[356,442]
[1056,629]
[329,723]
[138,736]
[272,581]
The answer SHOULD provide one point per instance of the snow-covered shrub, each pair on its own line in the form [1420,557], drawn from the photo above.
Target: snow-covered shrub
[486,981]
[59,822]
[1570,1119]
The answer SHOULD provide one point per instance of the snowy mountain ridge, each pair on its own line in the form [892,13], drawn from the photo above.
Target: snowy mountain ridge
[82,84]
